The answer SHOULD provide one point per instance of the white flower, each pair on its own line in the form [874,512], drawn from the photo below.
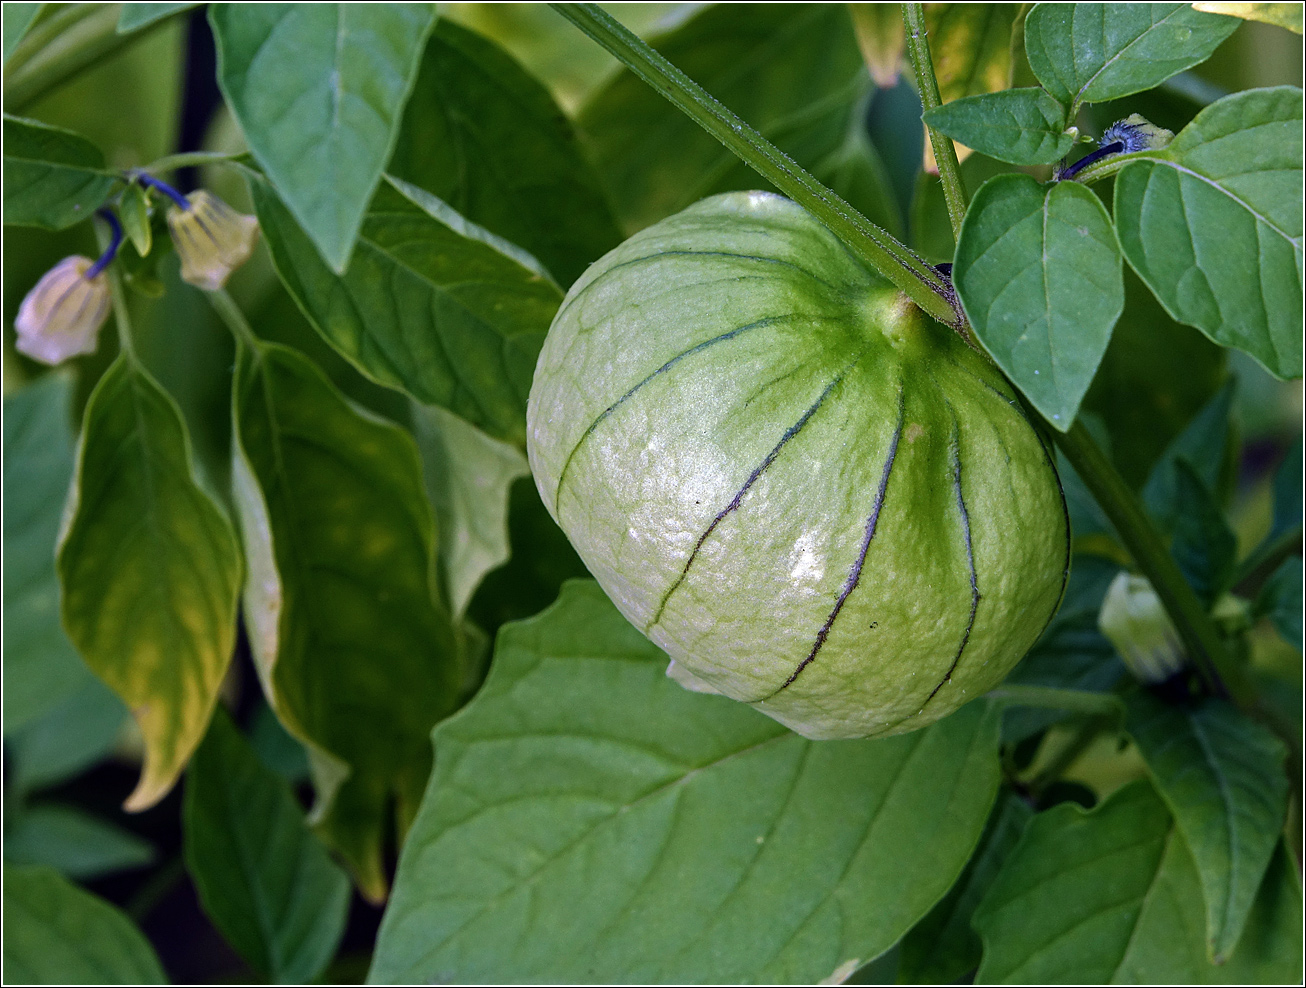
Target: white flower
[61,317]
[1136,623]
[211,238]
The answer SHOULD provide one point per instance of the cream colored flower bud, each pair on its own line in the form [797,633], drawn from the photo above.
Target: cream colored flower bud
[1133,619]
[211,238]
[61,317]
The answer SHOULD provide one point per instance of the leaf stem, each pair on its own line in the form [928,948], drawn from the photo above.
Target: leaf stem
[121,315]
[945,154]
[913,274]
[229,312]
[1201,639]
[191,159]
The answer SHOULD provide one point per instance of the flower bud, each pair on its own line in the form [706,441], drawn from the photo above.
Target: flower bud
[1134,621]
[1137,134]
[211,238]
[61,317]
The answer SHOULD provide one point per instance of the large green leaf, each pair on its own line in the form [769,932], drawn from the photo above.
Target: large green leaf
[468,477]
[355,653]
[1205,444]
[942,948]
[431,304]
[318,91]
[150,571]
[1204,546]
[40,666]
[264,879]
[1022,126]
[1113,896]
[1092,52]
[1213,224]
[53,178]
[76,733]
[487,138]
[55,933]
[18,17]
[793,71]
[589,820]
[1222,776]
[1038,271]
[135,16]
[74,843]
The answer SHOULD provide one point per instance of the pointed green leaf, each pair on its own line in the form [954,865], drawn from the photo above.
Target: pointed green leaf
[1204,445]
[590,820]
[41,667]
[1213,224]
[1287,15]
[53,178]
[18,17]
[793,71]
[74,843]
[263,878]
[1204,546]
[1038,272]
[135,16]
[881,38]
[942,948]
[134,211]
[1222,776]
[431,304]
[150,571]
[55,933]
[1093,52]
[318,91]
[468,477]
[537,189]
[1281,600]
[355,653]
[1022,126]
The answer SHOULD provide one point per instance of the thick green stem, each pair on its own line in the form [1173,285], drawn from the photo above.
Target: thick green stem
[945,154]
[230,313]
[191,159]
[1052,698]
[910,272]
[1201,639]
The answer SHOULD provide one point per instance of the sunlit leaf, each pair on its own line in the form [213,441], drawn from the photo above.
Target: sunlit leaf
[1038,271]
[319,90]
[1092,52]
[150,571]
[1287,15]
[53,178]
[1222,776]
[261,875]
[881,38]
[970,44]
[430,304]
[1213,224]
[535,189]
[355,652]
[590,820]
[56,933]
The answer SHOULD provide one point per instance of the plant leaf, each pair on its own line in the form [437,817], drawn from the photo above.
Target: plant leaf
[53,178]
[1038,271]
[56,933]
[355,654]
[1204,445]
[18,17]
[1222,777]
[41,668]
[1281,600]
[1287,15]
[261,875]
[1204,546]
[1213,224]
[942,948]
[135,16]
[76,733]
[468,478]
[882,40]
[971,47]
[74,843]
[589,820]
[318,91]
[535,189]
[150,571]
[1093,52]
[793,71]
[1021,126]
[430,304]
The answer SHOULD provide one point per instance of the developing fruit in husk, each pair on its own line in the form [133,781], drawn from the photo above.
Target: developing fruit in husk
[812,497]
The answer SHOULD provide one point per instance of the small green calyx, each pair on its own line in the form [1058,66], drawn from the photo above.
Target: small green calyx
[813,498]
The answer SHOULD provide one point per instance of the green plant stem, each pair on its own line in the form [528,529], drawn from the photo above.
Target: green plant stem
[1066,754]
[1110,165]
[1201,639]
[945,153]
[72,39]
[121,316]
[230,313]
[191,159]
[1052,698]
[910,272]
